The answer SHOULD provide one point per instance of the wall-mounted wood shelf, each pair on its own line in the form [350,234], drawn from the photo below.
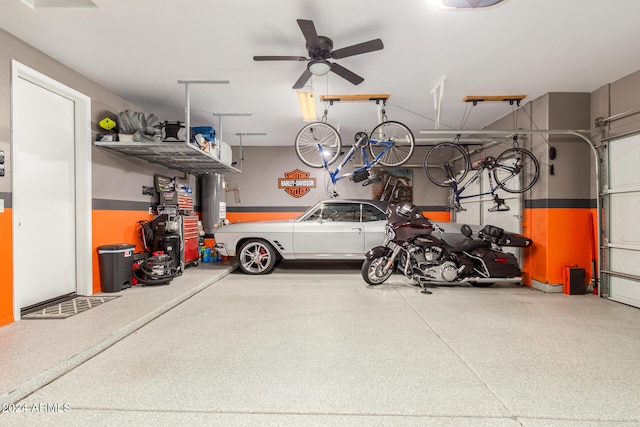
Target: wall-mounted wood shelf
[359,97]
[174,155]
[495,98]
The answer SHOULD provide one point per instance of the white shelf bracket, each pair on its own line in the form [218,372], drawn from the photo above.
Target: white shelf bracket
[187,101]
[438,94]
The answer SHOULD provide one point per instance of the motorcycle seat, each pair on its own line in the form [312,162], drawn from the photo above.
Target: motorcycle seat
[468,245]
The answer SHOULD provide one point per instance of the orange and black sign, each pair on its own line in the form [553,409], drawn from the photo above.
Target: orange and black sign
[297,183]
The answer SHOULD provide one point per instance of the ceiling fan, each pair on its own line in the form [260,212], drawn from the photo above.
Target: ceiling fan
[320,49]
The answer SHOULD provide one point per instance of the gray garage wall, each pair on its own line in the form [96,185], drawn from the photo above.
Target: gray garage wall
[262,166]
[615,98]
[573,166]
[115,177]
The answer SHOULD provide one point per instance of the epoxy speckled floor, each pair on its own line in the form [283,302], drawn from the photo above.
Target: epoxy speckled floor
[311,344]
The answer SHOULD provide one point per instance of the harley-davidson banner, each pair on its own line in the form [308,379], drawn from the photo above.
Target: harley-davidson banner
[297,183]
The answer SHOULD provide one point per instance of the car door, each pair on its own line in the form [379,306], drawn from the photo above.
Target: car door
[333,230]
[374,221]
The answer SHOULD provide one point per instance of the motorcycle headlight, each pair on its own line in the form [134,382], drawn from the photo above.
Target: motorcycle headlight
[390,233]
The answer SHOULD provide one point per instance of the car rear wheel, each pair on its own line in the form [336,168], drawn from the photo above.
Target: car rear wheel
[256,257]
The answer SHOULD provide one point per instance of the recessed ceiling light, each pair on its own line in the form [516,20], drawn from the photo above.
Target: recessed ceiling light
[37,4]
[468,4]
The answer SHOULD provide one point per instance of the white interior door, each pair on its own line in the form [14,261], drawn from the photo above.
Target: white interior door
[43,194]
[477,209]
[623,234]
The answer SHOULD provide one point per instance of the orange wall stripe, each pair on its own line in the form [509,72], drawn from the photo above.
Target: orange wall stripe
[6,268]
[561,238]
[111,227]
[438,216]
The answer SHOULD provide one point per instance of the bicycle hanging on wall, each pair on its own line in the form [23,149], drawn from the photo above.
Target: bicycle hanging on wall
[515,170]
[318,145]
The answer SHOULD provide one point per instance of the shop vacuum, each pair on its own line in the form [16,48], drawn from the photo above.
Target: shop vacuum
[161,235]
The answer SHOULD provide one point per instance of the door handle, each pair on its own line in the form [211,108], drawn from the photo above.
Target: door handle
[359,230]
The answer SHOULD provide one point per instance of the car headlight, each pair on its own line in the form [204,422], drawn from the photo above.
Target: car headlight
[390,232]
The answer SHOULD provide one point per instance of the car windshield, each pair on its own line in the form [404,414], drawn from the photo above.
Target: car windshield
[343,212]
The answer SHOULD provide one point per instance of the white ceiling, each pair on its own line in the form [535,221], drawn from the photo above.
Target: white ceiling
[139,49]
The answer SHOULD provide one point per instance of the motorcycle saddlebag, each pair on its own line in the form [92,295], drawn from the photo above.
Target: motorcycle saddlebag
[499,264]
[498,236]
[514,240]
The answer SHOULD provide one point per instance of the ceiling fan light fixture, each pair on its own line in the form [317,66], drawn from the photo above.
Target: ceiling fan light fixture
[307,106]
[38,4]
[319,67]
[467,4]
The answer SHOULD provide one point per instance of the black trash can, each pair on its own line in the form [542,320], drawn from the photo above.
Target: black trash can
[116,265]
[170,244]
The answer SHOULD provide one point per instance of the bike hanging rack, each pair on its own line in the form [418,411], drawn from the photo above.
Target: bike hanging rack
[377,97]
[511,99]
[583,134]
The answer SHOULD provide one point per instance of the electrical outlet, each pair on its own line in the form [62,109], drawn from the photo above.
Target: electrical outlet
[151,209]
[1,170]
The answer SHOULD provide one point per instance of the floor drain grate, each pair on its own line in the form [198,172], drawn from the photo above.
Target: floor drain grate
[69,308]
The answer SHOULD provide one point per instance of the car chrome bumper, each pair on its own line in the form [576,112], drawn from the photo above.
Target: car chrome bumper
[223,250]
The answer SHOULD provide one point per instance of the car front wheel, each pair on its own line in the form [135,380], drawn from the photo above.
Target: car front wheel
[257,257]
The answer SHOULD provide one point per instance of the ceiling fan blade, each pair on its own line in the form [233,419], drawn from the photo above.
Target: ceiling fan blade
[280,58]
[310,34]
[346,74]
[304,78]
[357,49]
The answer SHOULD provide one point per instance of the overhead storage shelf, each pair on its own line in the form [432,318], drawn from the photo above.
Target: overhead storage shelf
[174,155]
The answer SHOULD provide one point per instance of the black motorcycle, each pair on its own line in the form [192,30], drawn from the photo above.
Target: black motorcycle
[423,252]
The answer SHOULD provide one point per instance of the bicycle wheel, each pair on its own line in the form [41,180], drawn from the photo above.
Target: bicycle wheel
[399,136]
[516,170]
[312,135]
[444,162]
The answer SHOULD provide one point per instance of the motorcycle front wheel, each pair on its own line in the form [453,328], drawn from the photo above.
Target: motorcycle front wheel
[372,270]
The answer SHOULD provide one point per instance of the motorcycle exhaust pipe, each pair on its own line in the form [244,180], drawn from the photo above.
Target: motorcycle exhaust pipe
[492,280]
[477,280]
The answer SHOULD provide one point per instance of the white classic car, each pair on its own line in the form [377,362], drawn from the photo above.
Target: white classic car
[332,230]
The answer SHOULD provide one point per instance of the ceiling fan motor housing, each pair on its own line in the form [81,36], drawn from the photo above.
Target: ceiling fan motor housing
[324,52]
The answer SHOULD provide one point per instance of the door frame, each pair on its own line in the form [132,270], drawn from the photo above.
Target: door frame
[82,131]
[609,276]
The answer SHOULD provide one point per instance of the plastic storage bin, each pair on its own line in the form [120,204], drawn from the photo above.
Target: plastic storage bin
[116,264]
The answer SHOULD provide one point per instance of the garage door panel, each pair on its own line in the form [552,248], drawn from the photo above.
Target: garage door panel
[625,223]
[625,290]
[625,260]
[471,214]
[624,158]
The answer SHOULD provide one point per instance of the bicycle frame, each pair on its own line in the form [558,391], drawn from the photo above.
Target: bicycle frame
[335,175]
[457,191]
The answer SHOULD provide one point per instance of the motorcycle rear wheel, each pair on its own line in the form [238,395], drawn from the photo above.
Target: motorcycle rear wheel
[481,285]
[371,270]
